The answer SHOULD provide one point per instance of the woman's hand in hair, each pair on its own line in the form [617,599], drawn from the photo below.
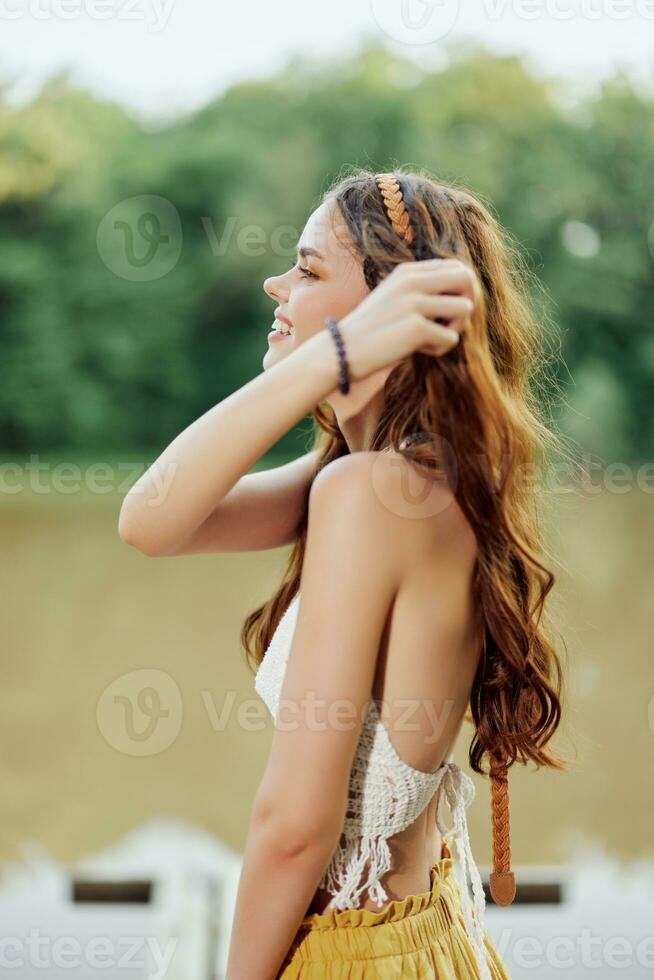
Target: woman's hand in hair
[420,306]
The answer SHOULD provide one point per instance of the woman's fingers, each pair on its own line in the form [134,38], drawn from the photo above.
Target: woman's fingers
[438,340]
[439,276]
[446,307]
[422,305]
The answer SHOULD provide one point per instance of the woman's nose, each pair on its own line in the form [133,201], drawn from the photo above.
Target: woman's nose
[268,287]
[274,287]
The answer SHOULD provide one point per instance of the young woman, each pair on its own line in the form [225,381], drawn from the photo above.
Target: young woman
[414,589]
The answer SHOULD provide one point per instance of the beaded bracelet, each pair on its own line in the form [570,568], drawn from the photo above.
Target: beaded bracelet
[344,374]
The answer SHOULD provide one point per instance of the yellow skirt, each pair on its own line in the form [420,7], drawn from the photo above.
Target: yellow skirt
[420,936]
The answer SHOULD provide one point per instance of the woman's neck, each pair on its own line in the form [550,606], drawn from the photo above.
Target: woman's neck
[358,412]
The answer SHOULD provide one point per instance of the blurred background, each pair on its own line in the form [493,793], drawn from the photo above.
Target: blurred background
[157,163]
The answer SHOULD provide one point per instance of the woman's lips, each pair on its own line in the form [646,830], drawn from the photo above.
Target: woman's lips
[280,316]
[280,329]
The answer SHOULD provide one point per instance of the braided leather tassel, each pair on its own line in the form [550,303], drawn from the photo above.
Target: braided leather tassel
[398,214]
[501,879]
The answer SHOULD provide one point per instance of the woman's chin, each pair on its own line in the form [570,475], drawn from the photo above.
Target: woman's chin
[277,351]
[268,359]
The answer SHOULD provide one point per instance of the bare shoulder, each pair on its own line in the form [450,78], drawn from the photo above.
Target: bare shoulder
[394,486]
[414,513]
[360,487]
[345,492]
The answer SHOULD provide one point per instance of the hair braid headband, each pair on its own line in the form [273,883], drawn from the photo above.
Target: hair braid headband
[399,216]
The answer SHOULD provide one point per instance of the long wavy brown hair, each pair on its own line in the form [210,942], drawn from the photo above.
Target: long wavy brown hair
[484,401]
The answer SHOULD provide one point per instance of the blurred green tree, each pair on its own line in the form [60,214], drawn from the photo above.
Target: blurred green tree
[102,349]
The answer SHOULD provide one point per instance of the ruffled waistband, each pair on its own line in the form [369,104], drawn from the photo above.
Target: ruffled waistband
[393,911]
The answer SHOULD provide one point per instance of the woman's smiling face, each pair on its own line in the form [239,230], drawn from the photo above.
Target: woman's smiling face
[327,280]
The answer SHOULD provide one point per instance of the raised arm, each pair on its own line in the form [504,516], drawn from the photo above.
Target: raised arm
[191,480]
[188,499]
[263,510]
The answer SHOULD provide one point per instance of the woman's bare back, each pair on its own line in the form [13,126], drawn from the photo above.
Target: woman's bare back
[426,666]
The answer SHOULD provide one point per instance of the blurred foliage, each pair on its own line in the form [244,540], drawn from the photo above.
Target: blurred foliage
[102,352]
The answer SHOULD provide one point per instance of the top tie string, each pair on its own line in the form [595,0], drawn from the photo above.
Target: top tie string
[459,792]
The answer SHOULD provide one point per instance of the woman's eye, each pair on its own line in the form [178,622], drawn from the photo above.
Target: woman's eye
[307,273]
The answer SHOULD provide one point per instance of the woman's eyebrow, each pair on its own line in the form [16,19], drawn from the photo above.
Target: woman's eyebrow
[305,250]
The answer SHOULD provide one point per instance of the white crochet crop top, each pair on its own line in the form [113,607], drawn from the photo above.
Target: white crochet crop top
[385,796]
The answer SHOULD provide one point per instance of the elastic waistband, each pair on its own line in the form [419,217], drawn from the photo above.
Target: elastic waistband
[358,933]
